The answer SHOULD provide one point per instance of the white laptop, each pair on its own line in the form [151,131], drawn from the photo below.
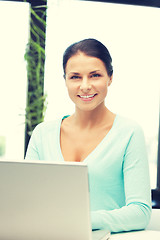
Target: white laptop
[45,201]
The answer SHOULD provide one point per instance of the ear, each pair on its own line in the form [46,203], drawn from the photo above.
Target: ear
[110,80]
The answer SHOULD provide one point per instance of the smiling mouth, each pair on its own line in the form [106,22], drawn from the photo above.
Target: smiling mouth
[87,96]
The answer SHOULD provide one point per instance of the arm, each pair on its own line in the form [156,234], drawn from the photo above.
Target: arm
[32,150]
[136,213]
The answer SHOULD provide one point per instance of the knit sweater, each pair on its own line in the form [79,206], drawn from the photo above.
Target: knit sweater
[118,173]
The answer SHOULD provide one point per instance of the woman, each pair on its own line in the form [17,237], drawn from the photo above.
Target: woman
[112,146]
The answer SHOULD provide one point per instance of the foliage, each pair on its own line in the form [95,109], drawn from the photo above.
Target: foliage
[2,145]
[35,57]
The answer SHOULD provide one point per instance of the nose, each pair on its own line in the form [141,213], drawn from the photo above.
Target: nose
[85,85]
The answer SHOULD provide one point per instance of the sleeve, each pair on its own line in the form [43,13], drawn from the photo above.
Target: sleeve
[32,149]
[135,215]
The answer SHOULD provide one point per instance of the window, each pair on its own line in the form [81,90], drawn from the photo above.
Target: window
[14,25]
[131,34]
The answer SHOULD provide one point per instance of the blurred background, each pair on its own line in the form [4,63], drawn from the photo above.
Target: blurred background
[131,33]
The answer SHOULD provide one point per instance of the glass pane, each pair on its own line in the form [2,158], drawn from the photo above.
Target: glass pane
[14,25]
[131,34]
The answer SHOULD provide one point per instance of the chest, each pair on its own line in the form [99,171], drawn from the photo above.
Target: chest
[76,146]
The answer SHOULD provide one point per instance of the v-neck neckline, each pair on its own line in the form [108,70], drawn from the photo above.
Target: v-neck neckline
[94,150]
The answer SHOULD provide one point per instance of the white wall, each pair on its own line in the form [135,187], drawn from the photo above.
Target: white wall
[14,29]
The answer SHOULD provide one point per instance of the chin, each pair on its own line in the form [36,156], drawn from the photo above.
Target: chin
[87,108]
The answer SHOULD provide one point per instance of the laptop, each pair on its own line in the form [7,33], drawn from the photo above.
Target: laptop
[45,201]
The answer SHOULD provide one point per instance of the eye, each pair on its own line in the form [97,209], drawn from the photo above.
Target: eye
[75,77]
[95,75]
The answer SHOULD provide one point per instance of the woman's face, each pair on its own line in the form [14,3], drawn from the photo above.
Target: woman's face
[87,81]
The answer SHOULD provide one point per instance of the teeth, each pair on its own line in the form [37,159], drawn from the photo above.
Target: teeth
[88,96]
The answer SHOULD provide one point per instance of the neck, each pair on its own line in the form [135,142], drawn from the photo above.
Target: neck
[89,119]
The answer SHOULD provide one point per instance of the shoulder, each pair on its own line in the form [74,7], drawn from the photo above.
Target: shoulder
[48,127]
[45,128]
[131,138]
[128,127]
[127,123]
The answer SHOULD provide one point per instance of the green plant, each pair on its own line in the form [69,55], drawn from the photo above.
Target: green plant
[35,58]
[2,145]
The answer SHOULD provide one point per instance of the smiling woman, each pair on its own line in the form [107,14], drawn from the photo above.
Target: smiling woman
[112,146]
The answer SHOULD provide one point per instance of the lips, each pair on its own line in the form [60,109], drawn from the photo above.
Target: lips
[87,96]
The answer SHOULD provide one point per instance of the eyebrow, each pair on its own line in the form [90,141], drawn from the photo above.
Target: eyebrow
[89,73]
[94,71]
[74,73]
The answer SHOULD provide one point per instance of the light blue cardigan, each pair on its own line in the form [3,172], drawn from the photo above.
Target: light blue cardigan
[120,194]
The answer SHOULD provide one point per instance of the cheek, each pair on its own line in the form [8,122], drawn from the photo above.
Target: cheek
[71,89]
[104,90]
[103,87]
